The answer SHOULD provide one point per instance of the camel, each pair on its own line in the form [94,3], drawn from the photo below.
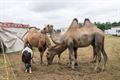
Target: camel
[52,52]
[76,37]
[37,39]
[55,50]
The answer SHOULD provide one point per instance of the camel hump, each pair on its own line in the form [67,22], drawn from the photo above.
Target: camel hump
[87,22]
[74,24]
[75,20]
[86,19]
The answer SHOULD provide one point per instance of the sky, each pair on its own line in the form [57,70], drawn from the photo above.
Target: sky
[60,13]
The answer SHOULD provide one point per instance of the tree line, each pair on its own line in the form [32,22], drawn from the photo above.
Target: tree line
[107,25]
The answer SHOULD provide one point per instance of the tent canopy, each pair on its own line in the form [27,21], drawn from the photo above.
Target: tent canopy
[10,40]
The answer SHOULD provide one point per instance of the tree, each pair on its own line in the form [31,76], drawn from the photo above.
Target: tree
[115,24]
[106,25]
[100,25]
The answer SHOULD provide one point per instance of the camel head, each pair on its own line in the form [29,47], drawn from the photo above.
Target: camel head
[50,55]
[48,29]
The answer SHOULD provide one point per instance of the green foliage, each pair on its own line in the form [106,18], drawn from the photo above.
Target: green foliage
[107,25]
[116,24]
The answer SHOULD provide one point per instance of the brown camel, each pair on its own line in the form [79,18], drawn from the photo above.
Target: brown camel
[37,39]
[52,52]
[76,37]
[55,50]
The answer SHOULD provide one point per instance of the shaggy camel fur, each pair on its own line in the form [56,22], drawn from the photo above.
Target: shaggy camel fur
[76,37]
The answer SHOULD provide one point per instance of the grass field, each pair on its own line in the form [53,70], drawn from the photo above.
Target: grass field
[84,71]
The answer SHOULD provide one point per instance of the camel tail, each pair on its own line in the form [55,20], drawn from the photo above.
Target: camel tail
[104,53]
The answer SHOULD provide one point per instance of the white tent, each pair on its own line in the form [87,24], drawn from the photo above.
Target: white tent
[113,31]
[10,40]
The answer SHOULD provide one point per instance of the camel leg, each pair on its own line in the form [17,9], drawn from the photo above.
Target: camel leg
[59,58]
[69,63]
[75,55]
[105,59]
[94,55]
[97,49]
[41,54]
[32,60]
[71,54]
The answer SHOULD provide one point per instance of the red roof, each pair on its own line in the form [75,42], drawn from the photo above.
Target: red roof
[13,25]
